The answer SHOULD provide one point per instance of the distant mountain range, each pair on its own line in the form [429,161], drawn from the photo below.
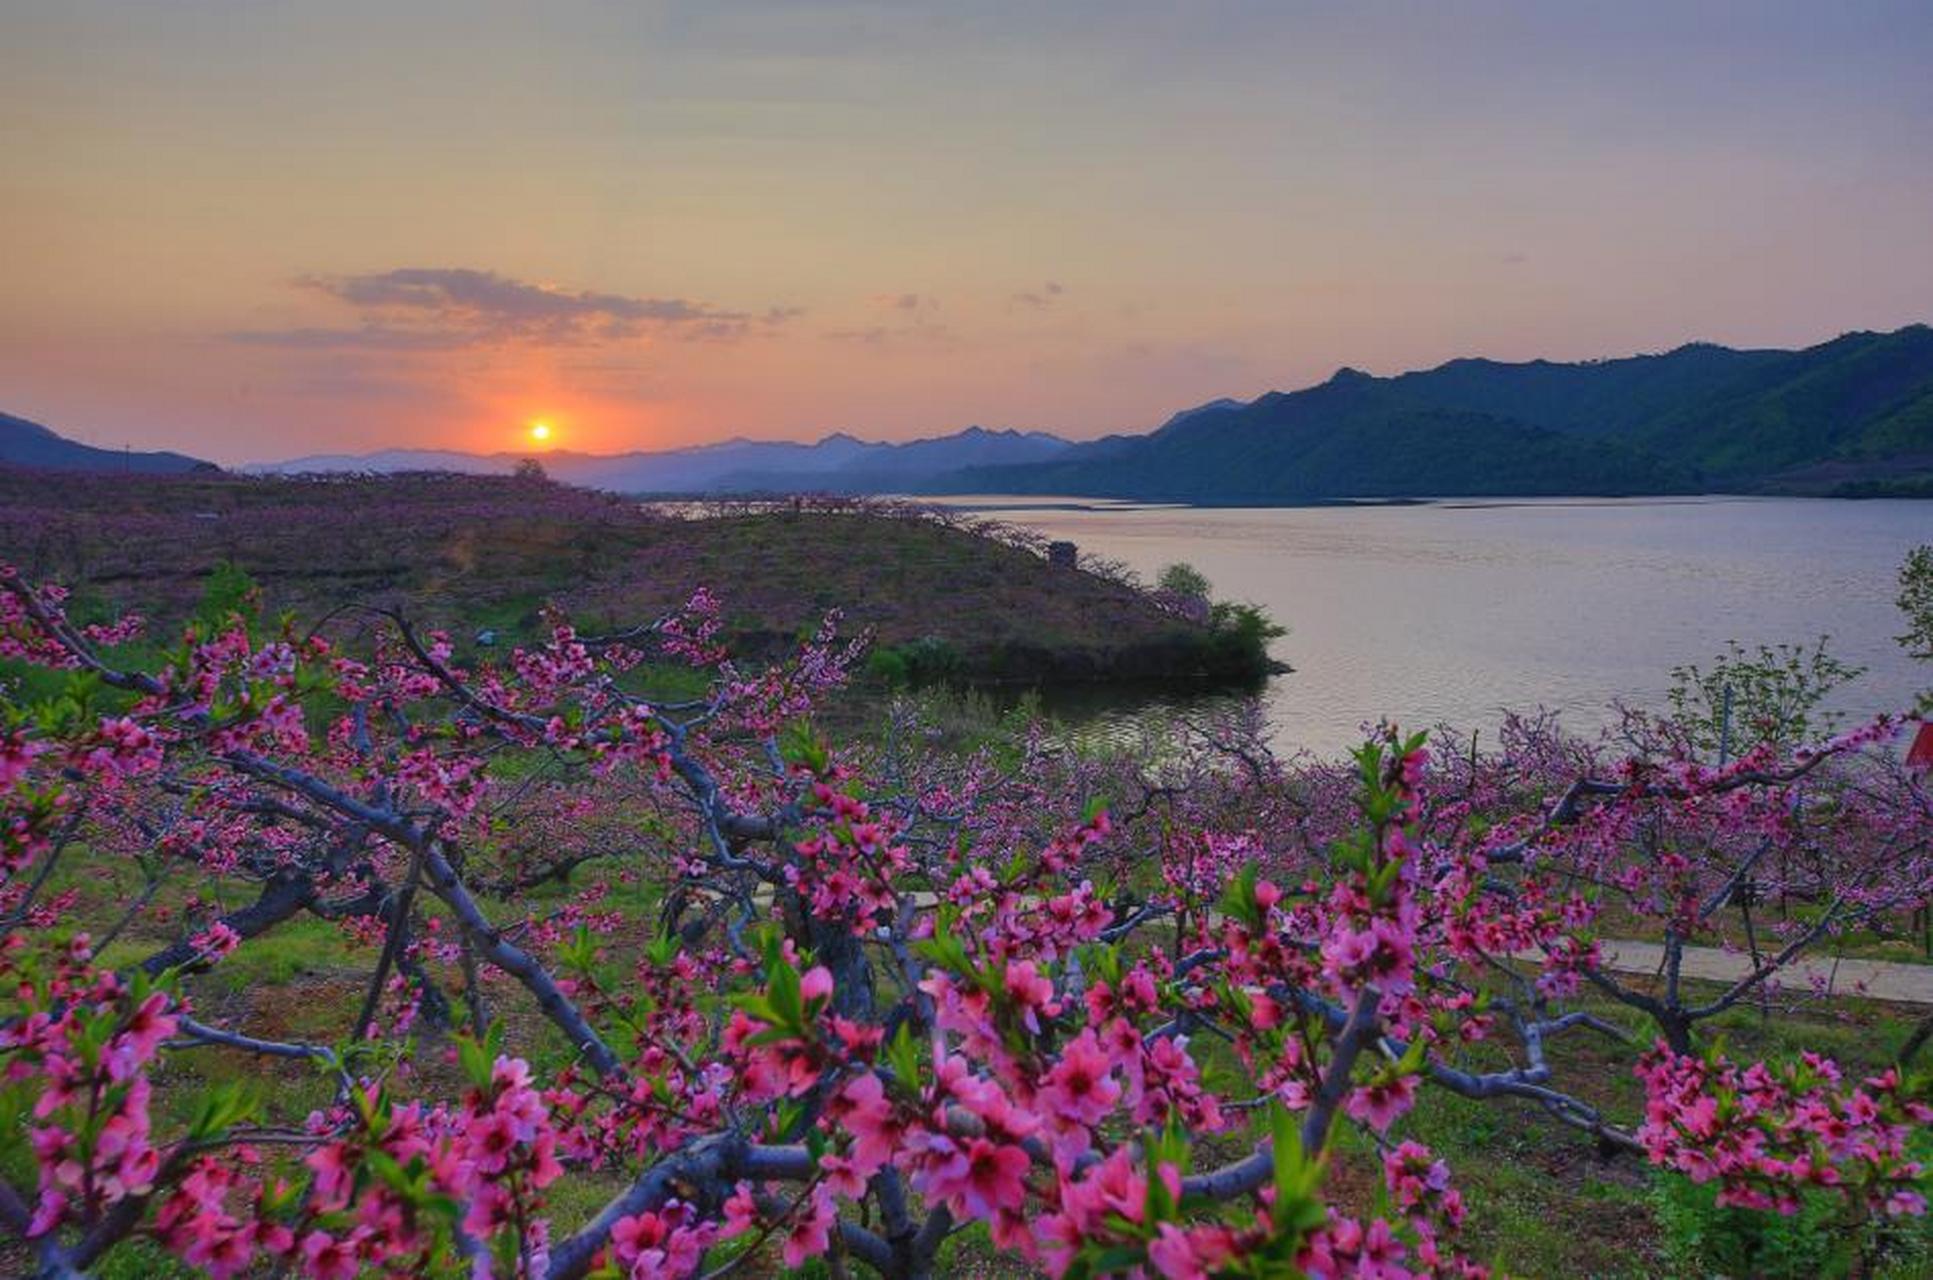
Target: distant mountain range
[1854,415]
[837,464]
[1850,416]
[28,444]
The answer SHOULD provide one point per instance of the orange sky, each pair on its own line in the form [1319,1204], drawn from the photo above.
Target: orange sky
[255,230]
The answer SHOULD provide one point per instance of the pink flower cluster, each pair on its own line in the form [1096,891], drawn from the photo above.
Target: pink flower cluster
[1765,1134]
[848,999]
[87,1043]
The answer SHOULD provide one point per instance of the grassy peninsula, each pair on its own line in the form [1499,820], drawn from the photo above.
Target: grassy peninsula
[944,595]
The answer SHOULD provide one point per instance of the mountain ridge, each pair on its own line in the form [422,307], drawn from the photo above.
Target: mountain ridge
[25,443]
[837,461]
[1853,414]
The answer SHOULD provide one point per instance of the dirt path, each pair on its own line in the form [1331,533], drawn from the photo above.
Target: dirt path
[1873,979]
[1870,979]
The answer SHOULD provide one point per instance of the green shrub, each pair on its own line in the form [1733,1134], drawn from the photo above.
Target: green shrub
[927,660]
[226,591]
[887,665]
[1746,698]
[1184,580]
[1700,1239]
[1916,602]
[1240,635]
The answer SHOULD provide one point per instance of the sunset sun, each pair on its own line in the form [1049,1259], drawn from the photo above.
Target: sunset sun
[540,432]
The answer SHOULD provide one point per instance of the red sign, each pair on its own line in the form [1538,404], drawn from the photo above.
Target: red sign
[1920,755]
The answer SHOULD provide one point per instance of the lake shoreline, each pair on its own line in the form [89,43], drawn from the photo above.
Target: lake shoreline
[1460,610]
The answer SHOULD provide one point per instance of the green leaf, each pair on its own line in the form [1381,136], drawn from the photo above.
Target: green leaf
[478,1058]
[1113,1260]
[392,1174]
[221,1109]
[755,1004]
[449,1208]
[1171,1146]
[1298,1179]
[1016,866]
[1239,900]
[782,989]
[785,1117]
[662,950]
[1369,765]
[1103,961]
[1235,1000]
[944,948]
[578,954]
[1383,880]
[1412,1060]
[801,747]
[903,1056]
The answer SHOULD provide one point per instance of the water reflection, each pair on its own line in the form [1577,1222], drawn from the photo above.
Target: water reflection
[1455,611]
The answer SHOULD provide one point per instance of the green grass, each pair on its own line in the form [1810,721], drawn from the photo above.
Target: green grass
[1542,1200]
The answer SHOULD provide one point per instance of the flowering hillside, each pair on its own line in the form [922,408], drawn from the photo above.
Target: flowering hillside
[657,987]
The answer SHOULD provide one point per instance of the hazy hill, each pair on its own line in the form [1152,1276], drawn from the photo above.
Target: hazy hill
[838,463]
[1853,413]
[28,444]
[1586,398]
[1353,436]
[1863,397]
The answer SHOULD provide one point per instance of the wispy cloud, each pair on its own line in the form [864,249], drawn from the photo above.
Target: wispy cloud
[366,337]
[880,335]
[910,317]
[1038,299]
[439,308]
[906,301]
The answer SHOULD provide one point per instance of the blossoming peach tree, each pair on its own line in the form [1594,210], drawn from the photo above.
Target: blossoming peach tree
[793,1001]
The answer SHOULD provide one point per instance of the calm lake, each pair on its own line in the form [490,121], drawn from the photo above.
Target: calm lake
[1452,611]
